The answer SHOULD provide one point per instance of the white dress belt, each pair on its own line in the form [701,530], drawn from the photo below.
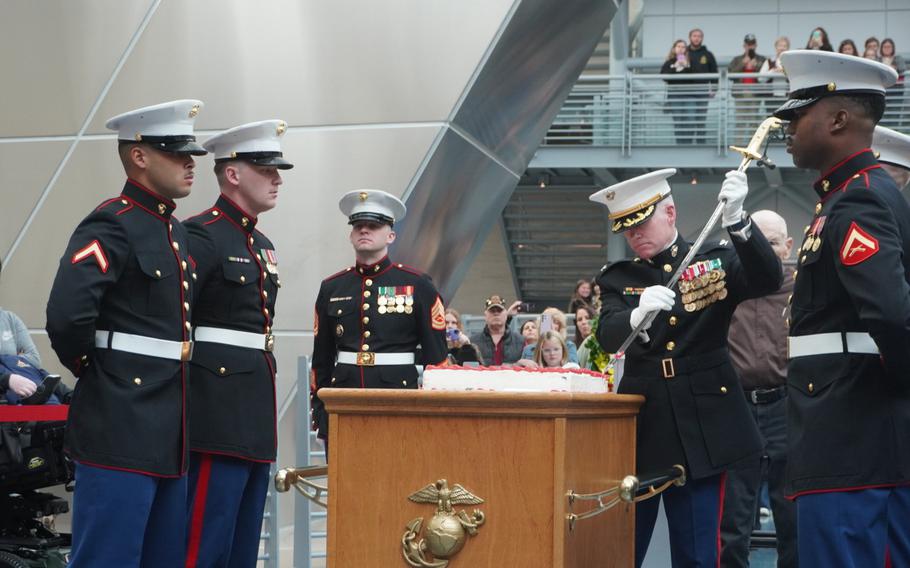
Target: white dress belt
[250,340]
[142,345]
[368,358]
[828,343]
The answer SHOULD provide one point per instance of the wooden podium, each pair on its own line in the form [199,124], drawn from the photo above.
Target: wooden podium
[520,452]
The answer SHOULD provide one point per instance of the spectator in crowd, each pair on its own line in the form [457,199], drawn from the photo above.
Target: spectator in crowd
[17,350]
[747,108]
[893,96]
[582,295]
[552,352]
[772,65]
[497,344]
[529,332]
[679,104]
[557,321]
[758,347]
[584,317]
[870,49]
[14,337]
[595,296]
[700,61]
[460,348]
[847,47]
[818,39]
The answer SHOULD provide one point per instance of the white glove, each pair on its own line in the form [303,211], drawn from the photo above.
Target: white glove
[22,386]
[734,191]
[654,298]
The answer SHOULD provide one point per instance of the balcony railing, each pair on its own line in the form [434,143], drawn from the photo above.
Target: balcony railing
[710,109]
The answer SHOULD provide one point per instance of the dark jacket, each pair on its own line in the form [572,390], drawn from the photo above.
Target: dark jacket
[125,269]
[758,339]
[232,389]
[701,61]
[357,309]
[695,413]
[849,413]
[512,345]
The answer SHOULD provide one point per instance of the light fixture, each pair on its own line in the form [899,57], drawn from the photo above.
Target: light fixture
[543,180]
[694,180]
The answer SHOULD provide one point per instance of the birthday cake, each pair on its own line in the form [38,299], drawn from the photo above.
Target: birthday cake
[513,379]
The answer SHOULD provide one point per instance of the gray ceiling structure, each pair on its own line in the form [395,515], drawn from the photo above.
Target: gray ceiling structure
[492,133]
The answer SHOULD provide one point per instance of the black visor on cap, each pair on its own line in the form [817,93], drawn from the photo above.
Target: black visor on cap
[275,159]
[371,216]
[173,144]
[788,109]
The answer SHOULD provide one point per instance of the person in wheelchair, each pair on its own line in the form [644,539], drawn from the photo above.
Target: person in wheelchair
[21,382]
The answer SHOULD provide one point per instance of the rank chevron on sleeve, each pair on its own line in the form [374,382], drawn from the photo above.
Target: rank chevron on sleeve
[92,250]
[858,246]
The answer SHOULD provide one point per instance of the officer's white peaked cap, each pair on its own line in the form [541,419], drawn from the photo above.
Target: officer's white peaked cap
[166,126]
[372,205]
[815,74]
[632,202]
[256,142]
[892,147]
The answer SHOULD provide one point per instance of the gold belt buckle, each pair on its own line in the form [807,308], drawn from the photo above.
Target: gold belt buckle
[269,342]
[366,358]
[669,371]
[186,350]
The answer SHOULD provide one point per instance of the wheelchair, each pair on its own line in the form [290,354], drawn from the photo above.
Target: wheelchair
[32,458]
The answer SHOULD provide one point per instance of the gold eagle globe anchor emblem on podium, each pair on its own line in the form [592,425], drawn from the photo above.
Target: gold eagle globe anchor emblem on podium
[448,530]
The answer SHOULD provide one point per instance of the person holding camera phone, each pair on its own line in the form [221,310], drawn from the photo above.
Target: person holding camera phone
[680,106]
[461,351]
[749,62]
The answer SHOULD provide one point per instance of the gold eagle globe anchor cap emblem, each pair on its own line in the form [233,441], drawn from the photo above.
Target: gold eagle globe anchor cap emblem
[448,530]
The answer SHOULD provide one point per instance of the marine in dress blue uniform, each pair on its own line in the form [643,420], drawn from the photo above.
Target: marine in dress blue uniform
[849,345]
[695,413]
[892,149]
[119,318]
[232,374]
[371,317]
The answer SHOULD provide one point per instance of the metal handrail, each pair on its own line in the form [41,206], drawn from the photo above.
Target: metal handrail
[637,110]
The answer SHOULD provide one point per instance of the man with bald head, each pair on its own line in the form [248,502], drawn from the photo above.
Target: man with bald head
[758,346]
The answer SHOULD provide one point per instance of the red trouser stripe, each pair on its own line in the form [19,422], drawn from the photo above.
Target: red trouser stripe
[199,499]
[720,512]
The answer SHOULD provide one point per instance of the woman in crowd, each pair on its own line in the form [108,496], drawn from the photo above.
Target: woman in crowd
[847,47]
[552,352]
[678,100]
[584,318]
[557,321]
[895,92]
[529,332]
[461,350]
[773,65]
[15,340]
[582,295]
[595,296]
[818,39]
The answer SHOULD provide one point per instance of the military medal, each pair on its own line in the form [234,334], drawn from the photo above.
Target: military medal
[399,308]
[271,260]
[408,309]
[381,309]
[816,244]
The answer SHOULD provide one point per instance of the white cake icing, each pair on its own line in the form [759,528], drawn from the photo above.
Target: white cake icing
[509,379]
